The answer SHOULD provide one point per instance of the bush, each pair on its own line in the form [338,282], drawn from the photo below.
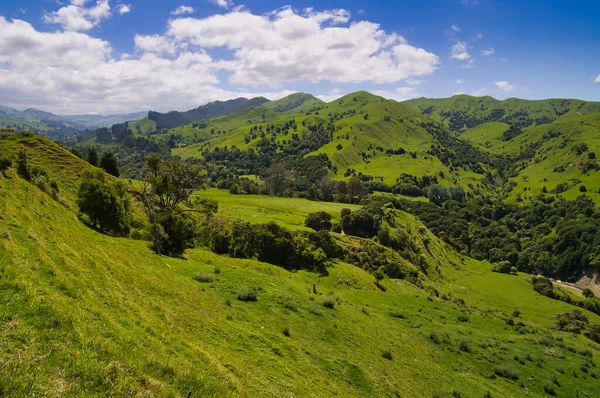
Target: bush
[203,277]
[106,204]
[5,163]
[502,267]
[387,354]
[315,310]
[329,301]
[464,344]
[463,318]
[550,387]
[286,331]
[248,294]
[507,372]
[574,321]
[588,293]
[109,164]
[434,337]
[320,221]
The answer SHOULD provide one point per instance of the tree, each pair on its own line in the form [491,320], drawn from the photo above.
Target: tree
[105,203]
[355,187]
[109,164]
[92,157]
[320,221]
[167,186]
[277,178]
[438,194]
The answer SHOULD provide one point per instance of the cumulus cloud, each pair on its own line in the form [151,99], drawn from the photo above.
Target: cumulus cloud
[223,3]
[597,80]
[505,86]
[481,92]
[124,9]
[459,51]
[455,28]
[460,81]
[399,94]
[469,65]
[332,96]
[182,10]
[286,46]
[478,36]
[76,17]
[487,51]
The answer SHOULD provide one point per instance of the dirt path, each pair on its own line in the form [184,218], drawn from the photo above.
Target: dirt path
[569,286]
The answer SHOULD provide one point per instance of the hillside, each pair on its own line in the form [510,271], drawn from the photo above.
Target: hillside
[364,129]
[89,314]
[294,103]
[463,112]
[204,112]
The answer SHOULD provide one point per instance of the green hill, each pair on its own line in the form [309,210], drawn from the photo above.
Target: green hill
[85,314]
[463,112]
[295,103]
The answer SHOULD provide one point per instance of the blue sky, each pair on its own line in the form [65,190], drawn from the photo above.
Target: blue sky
[107,56]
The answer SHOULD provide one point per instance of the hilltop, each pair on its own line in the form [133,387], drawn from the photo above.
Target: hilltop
[100,315]
[462,112]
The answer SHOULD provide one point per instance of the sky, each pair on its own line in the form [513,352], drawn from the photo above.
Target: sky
[120,56]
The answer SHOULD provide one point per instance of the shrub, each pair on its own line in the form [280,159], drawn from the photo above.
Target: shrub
[574,321]
[549,387]
[217,270]
[502,267]
[463,318]
[290,303]
[387,354]
[109,164]
[397,315]
[286,331]
[5,163]
[320,221]
[507,372]
[434,337]
[464,344]
[105,203]
[329,301]
[248,294]
[203,277]
[315,310]
[588,293]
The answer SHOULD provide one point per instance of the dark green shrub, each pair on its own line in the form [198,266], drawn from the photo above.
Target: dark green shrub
[248,294]
[387,354]
[434,337]
[330,301]
[286,331]
[464,344]
[507,372]
[550,387]
[320,221]
[5,163]
[463,318]
[203,277]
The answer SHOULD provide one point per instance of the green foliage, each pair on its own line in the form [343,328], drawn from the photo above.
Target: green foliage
[104,202]
[248,294]
[502,267]
[549,387]
[92,156]
[574,321]
[507,372]
[387,354]
[109,164]
[5,163]
[330,301]
[203,277]
[320,221]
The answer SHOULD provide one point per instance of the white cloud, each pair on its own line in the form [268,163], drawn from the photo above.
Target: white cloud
[469,65]
[400,94]
[478,36]
[487,51]
[460,81]
[76,17]
[71,72]
[481,92]
[455,28]
[505,86]
[223,3]
[286,46]
[124,9]
[181,10]
[597,80]
[459,51]
[332,96]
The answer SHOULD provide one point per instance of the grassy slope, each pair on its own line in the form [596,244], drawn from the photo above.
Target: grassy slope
[487,136]
[554,152]
[295,103]
[87,314]
[402,130]
[482,106]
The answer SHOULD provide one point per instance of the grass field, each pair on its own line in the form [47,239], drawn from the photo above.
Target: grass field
[85,314]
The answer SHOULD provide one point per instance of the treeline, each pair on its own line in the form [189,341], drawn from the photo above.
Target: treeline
[549,236]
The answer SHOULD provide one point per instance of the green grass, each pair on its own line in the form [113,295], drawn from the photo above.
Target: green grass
[290,212]
[487,136]
[86,314]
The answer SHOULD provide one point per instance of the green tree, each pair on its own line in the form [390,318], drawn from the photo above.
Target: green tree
[105,203]
[109,164]
[167,187]
[320,221]
[92,157]
[277,178]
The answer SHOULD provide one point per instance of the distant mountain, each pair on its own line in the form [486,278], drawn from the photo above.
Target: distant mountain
[97,121]
[209,111]
[463,112]
[295,103]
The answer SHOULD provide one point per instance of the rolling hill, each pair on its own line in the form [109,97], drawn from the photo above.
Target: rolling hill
[89,314]
[463,112]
